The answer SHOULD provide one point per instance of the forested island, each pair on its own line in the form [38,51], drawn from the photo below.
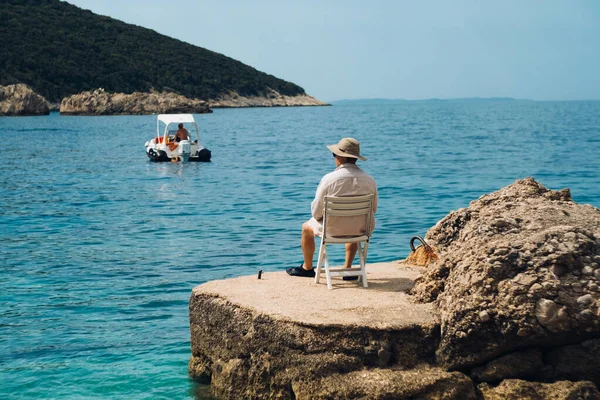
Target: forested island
[60,50]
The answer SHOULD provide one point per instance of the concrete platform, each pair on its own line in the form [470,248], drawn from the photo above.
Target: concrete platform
[385,304]
[275,337]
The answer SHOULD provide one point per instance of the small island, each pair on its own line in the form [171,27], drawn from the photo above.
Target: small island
[510,309]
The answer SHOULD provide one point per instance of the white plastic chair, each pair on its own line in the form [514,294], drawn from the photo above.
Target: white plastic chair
[359,211]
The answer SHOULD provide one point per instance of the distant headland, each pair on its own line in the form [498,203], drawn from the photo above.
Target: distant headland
[433,100]
[59,51]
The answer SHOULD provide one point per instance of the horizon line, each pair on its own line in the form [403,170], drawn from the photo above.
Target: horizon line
[452,99]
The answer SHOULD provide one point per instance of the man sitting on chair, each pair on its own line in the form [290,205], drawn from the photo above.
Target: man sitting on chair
[346,180]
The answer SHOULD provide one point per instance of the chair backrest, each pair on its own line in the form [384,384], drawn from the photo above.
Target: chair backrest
[348,216]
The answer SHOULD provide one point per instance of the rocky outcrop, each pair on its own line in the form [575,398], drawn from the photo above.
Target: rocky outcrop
[417,383]
[100,102]
[574,362]
[20,100]
[509,310]
[518,269]
[523,364]
[271,98]
[514,389]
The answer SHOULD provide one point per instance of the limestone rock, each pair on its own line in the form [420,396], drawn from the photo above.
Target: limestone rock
[514,271]
[419,383]
[20,100]
[514,389]
[199,368]
[551,316]
[100,102]
[574,362]
[271,98]
[515,365]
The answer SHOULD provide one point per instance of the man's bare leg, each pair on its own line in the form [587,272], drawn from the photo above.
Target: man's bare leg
[351,249]
[308,246]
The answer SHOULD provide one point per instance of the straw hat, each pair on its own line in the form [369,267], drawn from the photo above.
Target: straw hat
[347,147]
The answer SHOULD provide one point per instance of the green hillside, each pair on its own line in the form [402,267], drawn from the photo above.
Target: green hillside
[59,49]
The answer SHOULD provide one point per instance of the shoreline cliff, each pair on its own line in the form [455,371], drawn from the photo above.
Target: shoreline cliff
[20,100]
[100,102]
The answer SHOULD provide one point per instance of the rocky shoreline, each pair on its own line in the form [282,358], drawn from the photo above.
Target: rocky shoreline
[100,102]
[270,99]
[20,100]
[510,310]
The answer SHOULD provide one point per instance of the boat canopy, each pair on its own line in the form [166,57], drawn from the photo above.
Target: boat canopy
[175,118]
[168,119]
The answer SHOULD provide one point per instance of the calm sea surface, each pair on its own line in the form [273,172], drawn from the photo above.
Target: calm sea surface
[100,248]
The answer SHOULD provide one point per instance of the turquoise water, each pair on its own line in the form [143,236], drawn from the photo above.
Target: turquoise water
[101,248]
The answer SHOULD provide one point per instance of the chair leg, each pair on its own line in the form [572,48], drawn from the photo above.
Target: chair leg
[320,262]
[363,262]
[327,271]
[360,259]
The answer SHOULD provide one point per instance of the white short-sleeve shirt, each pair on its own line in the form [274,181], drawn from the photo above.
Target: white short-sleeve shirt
[345,180]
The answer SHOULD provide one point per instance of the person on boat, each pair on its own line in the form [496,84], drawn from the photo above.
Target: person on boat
[346,180]
[182,133]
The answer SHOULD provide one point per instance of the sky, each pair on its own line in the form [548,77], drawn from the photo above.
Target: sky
[394,49]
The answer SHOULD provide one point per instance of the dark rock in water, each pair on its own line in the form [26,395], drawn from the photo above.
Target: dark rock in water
[515,389]
[20,100]
[100,102]
[518,268]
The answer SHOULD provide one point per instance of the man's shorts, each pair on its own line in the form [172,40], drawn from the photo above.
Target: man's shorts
[316,226]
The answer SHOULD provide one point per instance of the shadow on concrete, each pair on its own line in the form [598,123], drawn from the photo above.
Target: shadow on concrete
[391,284]
[387,284]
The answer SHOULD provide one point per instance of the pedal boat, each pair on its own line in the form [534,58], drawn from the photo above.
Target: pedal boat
[163,146]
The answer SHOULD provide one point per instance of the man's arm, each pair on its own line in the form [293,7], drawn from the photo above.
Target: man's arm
[316,207]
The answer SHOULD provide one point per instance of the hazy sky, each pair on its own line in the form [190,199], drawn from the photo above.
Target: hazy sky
[349,49]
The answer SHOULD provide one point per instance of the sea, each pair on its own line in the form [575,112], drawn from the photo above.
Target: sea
[100,248]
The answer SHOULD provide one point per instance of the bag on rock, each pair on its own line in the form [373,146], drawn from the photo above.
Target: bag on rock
[423,255]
